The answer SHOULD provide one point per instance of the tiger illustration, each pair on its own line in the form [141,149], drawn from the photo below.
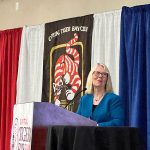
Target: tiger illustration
[66,72]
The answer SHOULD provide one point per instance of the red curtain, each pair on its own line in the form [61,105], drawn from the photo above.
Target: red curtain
[9,55]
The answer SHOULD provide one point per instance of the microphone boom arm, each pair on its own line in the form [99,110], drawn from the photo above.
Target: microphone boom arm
[75,97]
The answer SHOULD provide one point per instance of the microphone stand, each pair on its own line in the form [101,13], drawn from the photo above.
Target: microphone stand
[75,97]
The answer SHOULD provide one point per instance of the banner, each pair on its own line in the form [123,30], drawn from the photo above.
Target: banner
[67,60]
[21,135]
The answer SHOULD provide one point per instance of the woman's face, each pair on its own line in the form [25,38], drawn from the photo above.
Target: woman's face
[99,77]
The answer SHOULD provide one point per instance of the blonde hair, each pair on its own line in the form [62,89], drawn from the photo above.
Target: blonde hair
[89,85]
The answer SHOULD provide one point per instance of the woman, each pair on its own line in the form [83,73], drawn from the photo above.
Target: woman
[100,103]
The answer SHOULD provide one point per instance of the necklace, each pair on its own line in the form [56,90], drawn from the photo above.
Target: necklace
[97,99]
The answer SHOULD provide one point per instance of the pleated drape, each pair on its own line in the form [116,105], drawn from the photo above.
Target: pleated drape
[106,43]
[9,55]
[30,72]
[135,68]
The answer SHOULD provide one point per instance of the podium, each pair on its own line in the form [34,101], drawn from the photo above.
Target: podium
[31,120]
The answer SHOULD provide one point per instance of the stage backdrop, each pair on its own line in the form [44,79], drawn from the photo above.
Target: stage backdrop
[106,43]
[67,59]
[135,68]
[30,71]
[9,55]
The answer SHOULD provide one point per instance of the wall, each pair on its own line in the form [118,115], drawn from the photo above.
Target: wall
[33,12]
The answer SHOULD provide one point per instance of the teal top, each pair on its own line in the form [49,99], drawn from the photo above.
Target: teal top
[109,112]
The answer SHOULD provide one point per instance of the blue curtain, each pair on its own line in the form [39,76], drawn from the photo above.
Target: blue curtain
[134,86]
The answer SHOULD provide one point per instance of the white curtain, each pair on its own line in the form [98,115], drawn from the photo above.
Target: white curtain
[106,43]
[30,72]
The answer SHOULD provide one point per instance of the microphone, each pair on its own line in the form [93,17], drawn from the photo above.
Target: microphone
[75,97]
